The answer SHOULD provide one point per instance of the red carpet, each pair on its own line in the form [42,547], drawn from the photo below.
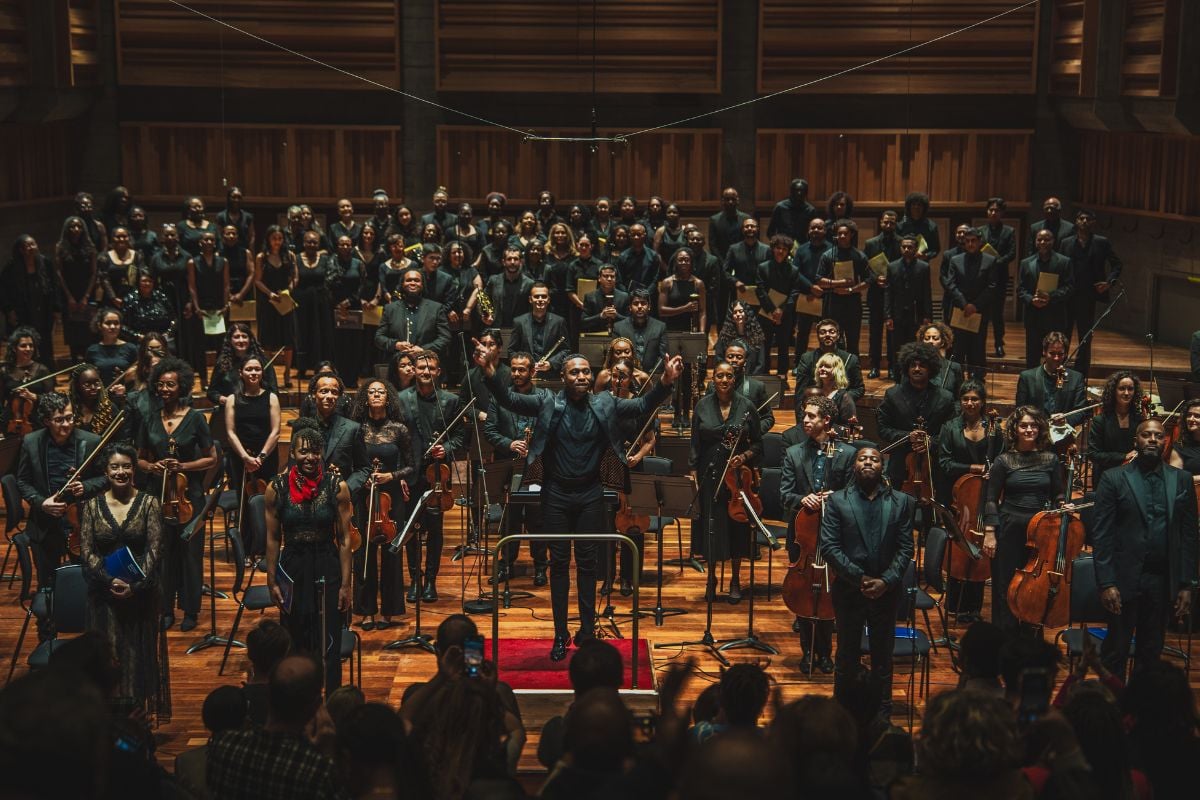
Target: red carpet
[526,664]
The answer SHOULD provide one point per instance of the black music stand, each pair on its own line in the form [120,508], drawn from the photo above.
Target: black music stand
[421,641]
[592,347]
[503,479]
[205,517]
[750,639]
[687,344]
[669,496]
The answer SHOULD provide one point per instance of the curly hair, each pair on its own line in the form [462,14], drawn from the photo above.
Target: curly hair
[104,410]
[146,350]
[1019,413]
[14,338]
[187,376]
[391,408]
[825,407]
[226,357]
[942,328]
[1109,398]
[834,199]
[308,431]
[460,726]
[969,735]
[752,336]
[914,352]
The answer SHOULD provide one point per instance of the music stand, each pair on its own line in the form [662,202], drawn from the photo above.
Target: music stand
[501,479]
[750,639]
[689,345]
[205,515]
[677,497]
[592,347]
[646,491]
[421,641]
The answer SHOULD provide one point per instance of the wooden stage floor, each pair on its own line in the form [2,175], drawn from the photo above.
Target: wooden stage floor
[385,674]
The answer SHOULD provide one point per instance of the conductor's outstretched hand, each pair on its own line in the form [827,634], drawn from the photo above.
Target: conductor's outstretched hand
[672,369]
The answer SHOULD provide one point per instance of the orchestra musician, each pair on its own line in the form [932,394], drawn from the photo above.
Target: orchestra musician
[639,440]
[940,336]
[725,429]
[907,300]
[832,383]
[805,467]
[829,334]
[752,389]
[1025,479]
[866,538]
[21,365]
[844,296]
[649,335]
[1110,440]
[886,244]
[1144,536]
[413,321]
[575,452]
[914,398]
[1044,311]
[606,305]
[1185,453]
[1094,268]
[539,331]
[1052,387]
[620,349]
[252,423]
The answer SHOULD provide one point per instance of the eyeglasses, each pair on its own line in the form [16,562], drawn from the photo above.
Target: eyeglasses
[64,420]
[167,385]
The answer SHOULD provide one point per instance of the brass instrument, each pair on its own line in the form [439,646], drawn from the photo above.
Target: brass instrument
[484,303]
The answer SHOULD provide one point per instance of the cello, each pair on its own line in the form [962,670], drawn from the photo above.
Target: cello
[969,493]
[1040,591]
[806,585]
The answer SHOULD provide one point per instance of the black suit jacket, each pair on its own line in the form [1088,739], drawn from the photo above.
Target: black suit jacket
[522,339]
[1004,242]
[34,482]
[1031,390]
[1027,281]
[907,295]
[454,443]
[430,329]
[494,288]
[723,231]
[1119,530]
[1063,230]
[964,289]
[846,547]
[344,449]
[897,417]
[504,426]
[806,372]
[1092,263]
[594,303]
[741,262]
[655,335]
[796,480]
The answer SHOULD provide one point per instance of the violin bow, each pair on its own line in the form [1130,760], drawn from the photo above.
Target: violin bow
[113,427]
[27,384]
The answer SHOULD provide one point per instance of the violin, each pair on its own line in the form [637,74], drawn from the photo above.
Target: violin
[1040,591]
[437,475]
[740,480]
[380,525]
[1147,407]
[918,469]
[176,507]
[353,535]
[625,519]
[806,585]
[20,414]
[969,493]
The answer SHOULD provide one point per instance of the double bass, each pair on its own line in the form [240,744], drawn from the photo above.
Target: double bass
[806,585]
[1040,591]
[969,494]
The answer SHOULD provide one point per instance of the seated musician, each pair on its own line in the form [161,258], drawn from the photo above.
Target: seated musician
[913,409]
[1110,440]
[1051,386]
[828,336]
[539,332]
[638,436]
[810,475]
[22,368]
[1185,453]
[606,305]
[619,349]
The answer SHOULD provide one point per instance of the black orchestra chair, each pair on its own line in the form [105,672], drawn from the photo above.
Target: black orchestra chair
[255,598]
[1085,610]
[936,542]
[654,465]
[911,644]
[351,650]
[773,448]
[37,605]
[65,606]
[774,516]
[14,517]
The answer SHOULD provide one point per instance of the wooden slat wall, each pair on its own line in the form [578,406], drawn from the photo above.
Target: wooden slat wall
[800,40]
[641,45]
[1073,59]
[43,161]
[1149,63]
[955,168]
[163,45]
[82,38]
[272,164]
[14,45]
[683,165]
[1145,173]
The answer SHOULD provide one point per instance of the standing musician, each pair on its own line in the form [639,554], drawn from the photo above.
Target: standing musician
[887,245]
[343,445]
[1185,453]
[866,537]
[1110,440]
[907,300]
[844,295]
[828,336]
[806,466]
[21,366]
[971,287]
[412,321]
[939,335]
[387,442]
[49,456]
[725,429]
[1052,387]
[252,424]
[1025,479]
[1044,311]
[639,437]
[576,451]
[914,398]
[539,331]
[649,335]
[428,411]
[308,514]
[239,345]
[1094,268]
[778,274]
[752,389]
[177,440]
[1145,546]
[507,431]
[93,407]
[966,446]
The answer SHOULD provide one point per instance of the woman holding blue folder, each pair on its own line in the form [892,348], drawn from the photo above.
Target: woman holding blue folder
[120,542]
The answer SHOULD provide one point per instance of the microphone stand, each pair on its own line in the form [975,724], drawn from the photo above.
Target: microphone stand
[750,640]
[421,641]
[471,546]
[1087,336]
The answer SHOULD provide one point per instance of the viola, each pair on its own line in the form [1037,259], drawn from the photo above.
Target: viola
[437,475]
[176,507]
[969,493]
[1040,591]
[918,468]
[380,525]
[806,584]
[742,481]
[353,534]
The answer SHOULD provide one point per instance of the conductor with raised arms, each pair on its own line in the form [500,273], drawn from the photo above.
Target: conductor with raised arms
[577,450]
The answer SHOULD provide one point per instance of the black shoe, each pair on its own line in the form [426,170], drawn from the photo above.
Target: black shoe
[430,594]
[368,625]
[797,625]
[539,576]
[502,575]
[188,624]
[582,636]
[559,651]
[825,664]
[735,593]
[626,588]
[806,664]
[383,624]
[999,352]
[167,622]
[412,592]
[874,373]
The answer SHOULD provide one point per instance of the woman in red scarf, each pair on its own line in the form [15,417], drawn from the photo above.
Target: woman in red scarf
[308,512]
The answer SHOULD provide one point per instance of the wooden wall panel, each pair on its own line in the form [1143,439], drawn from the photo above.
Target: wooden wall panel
[82,18]
[14,44]
[879,167]
[1145,173]
[1150,53]
[641,45]
[161,44]
[43,162]
[272,164]
[1076,36]
[683,165]
[800,40]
